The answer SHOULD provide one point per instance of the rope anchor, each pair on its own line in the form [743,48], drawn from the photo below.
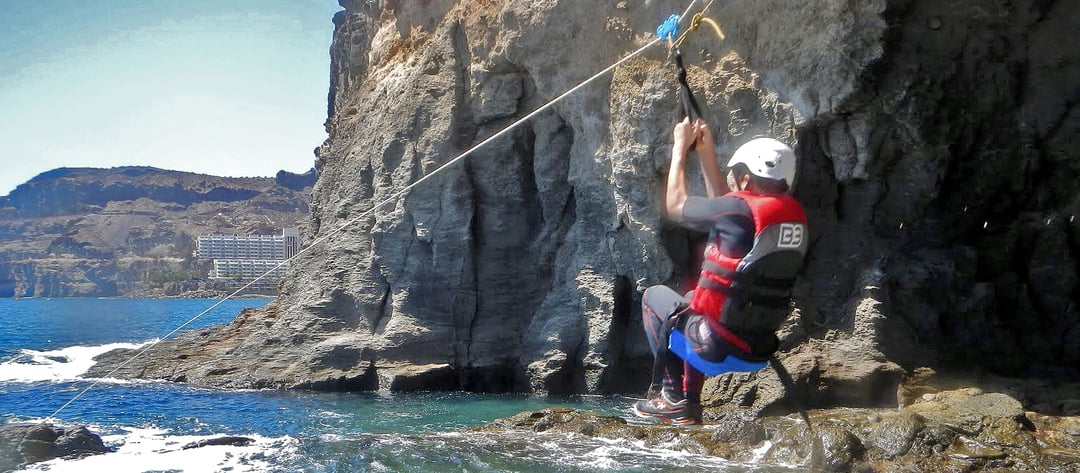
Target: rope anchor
[669,29]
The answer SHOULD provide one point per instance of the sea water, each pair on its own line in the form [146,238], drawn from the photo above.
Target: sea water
[47,344]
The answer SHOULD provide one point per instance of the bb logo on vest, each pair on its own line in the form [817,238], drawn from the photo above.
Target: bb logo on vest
[791,235]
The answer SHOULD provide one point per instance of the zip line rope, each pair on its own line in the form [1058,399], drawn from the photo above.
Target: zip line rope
[391,198]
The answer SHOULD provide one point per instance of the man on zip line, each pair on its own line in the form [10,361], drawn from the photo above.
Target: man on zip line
[756,245]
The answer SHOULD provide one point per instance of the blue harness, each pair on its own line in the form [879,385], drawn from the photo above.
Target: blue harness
[677,344]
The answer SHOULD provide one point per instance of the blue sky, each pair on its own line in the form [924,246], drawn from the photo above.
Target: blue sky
[223,87]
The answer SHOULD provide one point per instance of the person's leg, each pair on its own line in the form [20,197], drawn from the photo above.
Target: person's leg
[704,342]
[660,309]
[693,382]
[658,305]
[693,379]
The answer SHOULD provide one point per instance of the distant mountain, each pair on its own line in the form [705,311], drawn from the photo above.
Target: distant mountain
[131,231]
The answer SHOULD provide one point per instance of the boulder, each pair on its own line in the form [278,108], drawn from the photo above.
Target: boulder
[22,444]
[967,410]
[226,440]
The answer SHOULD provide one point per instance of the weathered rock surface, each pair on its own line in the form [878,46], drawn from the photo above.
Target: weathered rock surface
[937,169]
[229,440]
[131,231]
[914,439]
[25,444]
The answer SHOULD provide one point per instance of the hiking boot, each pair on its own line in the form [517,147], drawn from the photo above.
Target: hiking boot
[668,411]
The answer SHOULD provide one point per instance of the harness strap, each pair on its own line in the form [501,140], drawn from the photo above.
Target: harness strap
[689,104]
[774,298]
[708,283]
[761,289]
[718,269]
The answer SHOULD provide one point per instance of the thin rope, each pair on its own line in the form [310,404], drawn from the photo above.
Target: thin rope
[391,198]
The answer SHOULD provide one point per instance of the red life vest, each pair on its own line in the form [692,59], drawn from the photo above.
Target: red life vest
[750,296]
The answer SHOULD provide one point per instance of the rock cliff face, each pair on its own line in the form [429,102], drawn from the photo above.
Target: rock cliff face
[131,231]
[935,166]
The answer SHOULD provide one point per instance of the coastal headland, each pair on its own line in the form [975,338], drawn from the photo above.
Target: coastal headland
[936,166]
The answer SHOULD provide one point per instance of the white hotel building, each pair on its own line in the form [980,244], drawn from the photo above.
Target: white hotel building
[248,256]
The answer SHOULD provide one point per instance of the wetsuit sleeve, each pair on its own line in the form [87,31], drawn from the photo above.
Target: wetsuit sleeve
[727,219]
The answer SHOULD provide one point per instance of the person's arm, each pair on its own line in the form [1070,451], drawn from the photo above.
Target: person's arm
[676,194]
[715,184]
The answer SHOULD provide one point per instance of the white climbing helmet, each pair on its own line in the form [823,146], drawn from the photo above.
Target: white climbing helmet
[768,158]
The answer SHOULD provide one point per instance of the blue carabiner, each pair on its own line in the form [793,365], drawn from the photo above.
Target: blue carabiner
[669,29]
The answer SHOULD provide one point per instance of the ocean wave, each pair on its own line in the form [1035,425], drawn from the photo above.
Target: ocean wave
[62,365]
[150,449]
[564,452]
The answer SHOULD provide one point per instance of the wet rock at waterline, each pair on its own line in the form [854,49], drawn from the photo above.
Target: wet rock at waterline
[229,440]
[922,437]
[919,438]
[22,444]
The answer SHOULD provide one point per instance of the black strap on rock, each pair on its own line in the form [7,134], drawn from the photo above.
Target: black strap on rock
[665,362]
[791,390]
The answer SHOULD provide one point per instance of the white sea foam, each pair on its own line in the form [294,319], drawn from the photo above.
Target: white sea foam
[66,364]
[621,454]
[141,450]
[760,452]
[331,438]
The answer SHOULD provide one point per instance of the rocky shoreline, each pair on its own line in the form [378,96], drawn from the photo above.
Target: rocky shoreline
[964,430]
[961,430]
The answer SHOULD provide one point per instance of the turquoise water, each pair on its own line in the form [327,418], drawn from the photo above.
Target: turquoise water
[45,346]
